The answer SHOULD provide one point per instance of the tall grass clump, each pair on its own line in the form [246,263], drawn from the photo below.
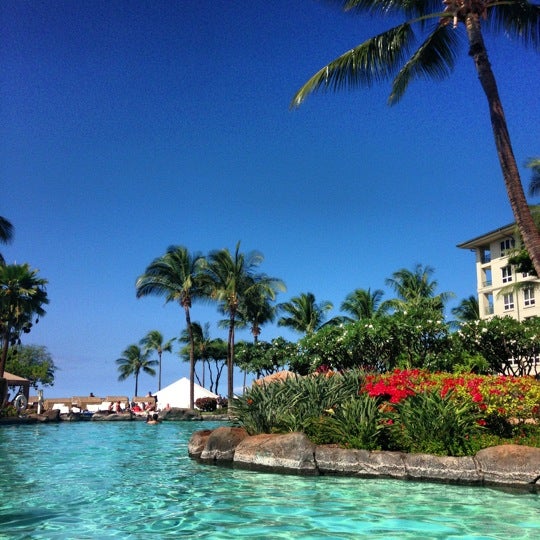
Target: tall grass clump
[290,405]
[430,423]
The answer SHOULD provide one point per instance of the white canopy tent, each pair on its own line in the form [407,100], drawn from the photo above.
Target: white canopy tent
[177,394]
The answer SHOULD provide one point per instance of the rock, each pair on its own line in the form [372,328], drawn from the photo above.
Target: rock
[291,452]
[175,413]
[335,460]
[112,417]
[197,442]
[451,469]
[222,443]
[52,415]
[509,464]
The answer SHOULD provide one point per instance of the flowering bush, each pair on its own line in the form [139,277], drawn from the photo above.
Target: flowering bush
[206,404]
[516,398]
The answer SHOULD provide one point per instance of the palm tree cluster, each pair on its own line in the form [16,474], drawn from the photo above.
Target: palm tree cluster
[22,297]
[242,294]
[247,299]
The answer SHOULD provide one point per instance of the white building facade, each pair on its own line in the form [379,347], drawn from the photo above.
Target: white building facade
[502,291]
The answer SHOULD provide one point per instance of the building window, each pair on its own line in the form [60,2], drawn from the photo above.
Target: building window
[506,274]
[487,282]
[507,245]
[489,309]
[485,255]
[508,300]
[528,296]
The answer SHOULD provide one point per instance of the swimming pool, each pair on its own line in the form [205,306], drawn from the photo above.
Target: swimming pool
[128,480]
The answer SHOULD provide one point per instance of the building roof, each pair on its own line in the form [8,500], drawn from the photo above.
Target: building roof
[487,238]
[15,380]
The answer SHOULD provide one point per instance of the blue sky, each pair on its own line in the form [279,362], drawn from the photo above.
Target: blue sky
[128,126]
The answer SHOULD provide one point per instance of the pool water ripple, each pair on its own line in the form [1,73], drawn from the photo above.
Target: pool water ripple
[95,480]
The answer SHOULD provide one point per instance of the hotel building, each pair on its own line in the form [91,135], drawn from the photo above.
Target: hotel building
[501,290]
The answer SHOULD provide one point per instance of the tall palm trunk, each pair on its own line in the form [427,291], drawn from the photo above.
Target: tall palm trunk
[3,356]
[159,376]
[191,359]
[514,188]
[230,358]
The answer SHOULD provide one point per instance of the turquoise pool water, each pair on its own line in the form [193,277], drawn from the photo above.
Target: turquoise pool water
[95,480]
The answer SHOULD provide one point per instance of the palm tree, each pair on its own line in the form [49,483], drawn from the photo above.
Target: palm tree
[416,290]
[153,341]
[6,235]
[133,360]
[206,350]
[257,307]
[22,297]
[230,279]
[468,310]
[176,276]
[534,186]
[388,56]
[303,313]
[364,304]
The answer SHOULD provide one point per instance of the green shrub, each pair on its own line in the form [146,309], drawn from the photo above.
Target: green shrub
[429,423]
[356,423]
[285,406]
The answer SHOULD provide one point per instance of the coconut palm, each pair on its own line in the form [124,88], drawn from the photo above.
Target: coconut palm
[534,186]
[176,276]
[6,235]
[231,277]
[257,308]
[415,290]
[303,313]
[153,341]
[22,297]
[208,351]
[132,362]
[364,304]
[439,22]
[467,310]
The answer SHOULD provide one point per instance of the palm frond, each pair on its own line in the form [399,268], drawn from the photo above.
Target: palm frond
[435,58]
[518,20]
[534,186]
[374,60]
[385,7]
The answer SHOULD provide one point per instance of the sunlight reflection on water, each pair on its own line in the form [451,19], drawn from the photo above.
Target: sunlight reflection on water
[128,480]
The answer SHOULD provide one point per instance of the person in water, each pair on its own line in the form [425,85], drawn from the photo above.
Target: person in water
[154,419]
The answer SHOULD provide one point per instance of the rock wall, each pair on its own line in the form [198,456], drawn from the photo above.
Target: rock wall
[506,465]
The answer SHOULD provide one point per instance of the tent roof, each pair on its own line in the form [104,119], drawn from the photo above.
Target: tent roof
[177,394]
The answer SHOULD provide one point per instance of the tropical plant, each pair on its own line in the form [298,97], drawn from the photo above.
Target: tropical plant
[231,278]
[256,308]
[211,352]
[415,291]
[264,358]
[364,304]
[33,362]
[290,404]
[534,186]
[177,276]
[388,56]
[508,345]
[132,362]
[356,423]
[153,341]
[303,314]
[430,423]
[22,297]
[6,235]
[467,310]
